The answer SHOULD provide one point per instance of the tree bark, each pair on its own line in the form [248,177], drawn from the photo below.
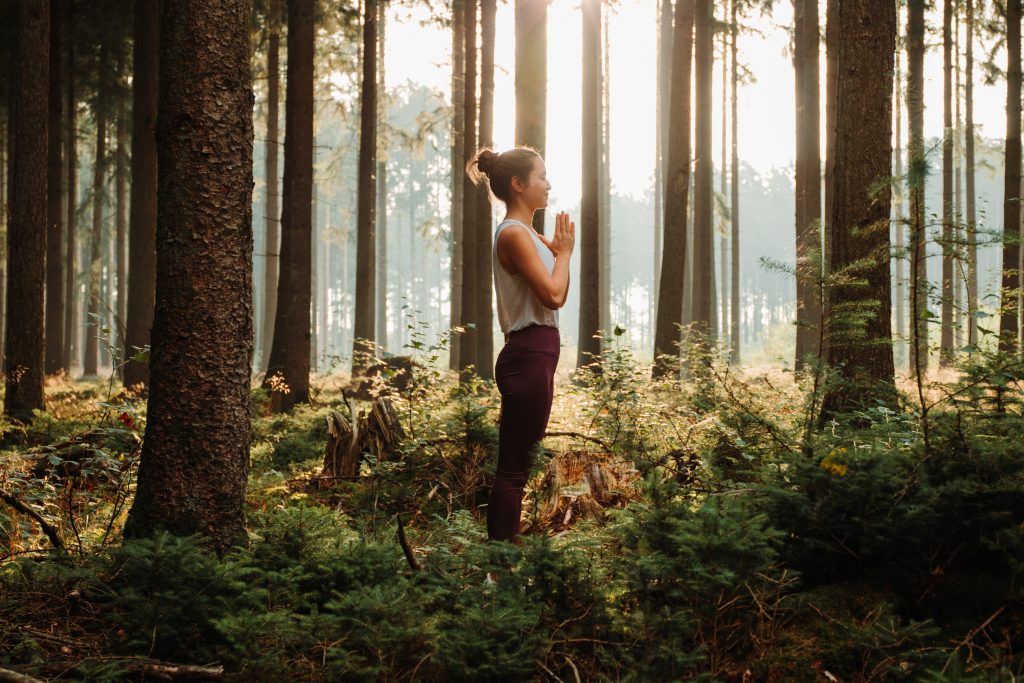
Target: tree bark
[588,346]
[195,457]
[661,138]
[1009,335]
[54,223]
[71,143]
[484,281]
[861,340]
[458,159]
[143,211]
[703,166]
[916,172]
[366,242]
[734,203]
[273,212]
[289,354]
[26,234]
[898,223]
[468,344]
[605,184]
[92,323]
[382,186]
[672,276]
[120,287]
[531,17]
[972,235]
[946,335]
[808,181]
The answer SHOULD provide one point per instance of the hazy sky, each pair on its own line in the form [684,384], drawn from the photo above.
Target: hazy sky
[766,129]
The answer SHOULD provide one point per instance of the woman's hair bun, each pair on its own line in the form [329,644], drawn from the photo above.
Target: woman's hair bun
[486,161]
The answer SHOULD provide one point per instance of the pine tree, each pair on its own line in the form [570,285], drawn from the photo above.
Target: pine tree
[1009,300]
[588,346]
[195,457]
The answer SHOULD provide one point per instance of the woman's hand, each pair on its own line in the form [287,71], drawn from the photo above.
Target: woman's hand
[564,239]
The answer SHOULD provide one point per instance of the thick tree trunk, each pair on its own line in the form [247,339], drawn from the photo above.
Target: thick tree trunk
[734,203]
[703,199]
[272,226]
[71,326]
[861,340]
[289,354]
[484,281]
[588,346]
[918,290]
[458,160]
[142,218]
[26,234]
[468,344]
[195,457]
[532,80]
[808,181]
[1009,334]
[366,243]
[92,322]
[946,336]
[54,222]
[971,218]
[672,275]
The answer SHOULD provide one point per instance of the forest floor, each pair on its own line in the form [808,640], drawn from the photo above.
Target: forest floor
[704,529]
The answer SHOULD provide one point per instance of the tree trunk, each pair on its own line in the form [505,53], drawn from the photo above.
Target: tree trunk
[808,181]
[723,242]
[861,340]
[54,234]
[120,288]
[1009,299]
[484,281]
[972,235]
[532,80]
[605,178]
[289,354]
[661,138]
[468,344]
[71,142]
[143,217]
[272,248]
[382,186]
[26,234]
[92,323]
[734,289]
[946,335]
[703,225]
[915,188]
[366,245]
[898,223]
[195,457]
[458,159]
[959,276]
[677,185]
[589,347]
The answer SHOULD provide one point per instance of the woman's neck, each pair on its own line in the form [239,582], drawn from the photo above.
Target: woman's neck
[519,212]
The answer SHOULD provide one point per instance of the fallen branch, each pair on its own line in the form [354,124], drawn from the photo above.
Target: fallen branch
[8,676]
[151,667]
[405,546]
[48,529]
[576,435]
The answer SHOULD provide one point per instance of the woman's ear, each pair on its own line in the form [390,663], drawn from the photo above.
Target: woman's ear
[517,184]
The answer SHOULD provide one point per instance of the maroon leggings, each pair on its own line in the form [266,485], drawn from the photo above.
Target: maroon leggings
[525,372]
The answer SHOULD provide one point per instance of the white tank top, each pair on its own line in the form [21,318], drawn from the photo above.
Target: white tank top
[518,306]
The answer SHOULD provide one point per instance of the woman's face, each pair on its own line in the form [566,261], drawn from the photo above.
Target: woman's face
[535,191]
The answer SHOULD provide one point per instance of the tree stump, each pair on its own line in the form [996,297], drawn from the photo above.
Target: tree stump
[378,433]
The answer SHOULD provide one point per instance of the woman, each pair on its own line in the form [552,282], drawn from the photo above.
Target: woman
[531,281]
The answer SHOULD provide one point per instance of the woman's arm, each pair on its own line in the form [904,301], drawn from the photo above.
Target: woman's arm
[516,249]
